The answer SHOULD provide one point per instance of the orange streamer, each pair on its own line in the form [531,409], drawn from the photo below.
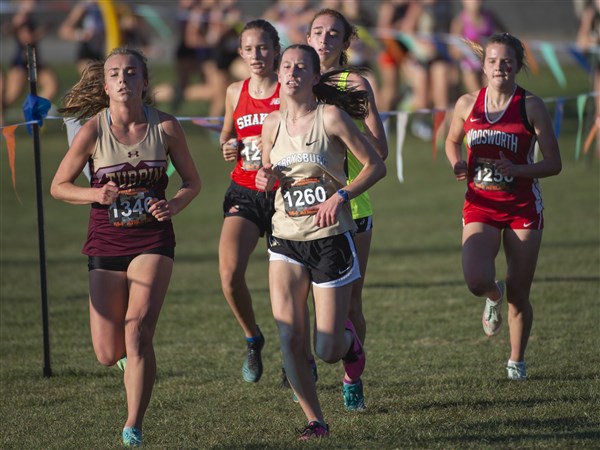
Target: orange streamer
[590,139]
[531,61]
[9,134]
[438,120]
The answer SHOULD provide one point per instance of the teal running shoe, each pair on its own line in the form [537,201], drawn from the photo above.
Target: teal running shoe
[132,437]
[354,399]
[492,313]
[516,371]
[122,363]
[253,367]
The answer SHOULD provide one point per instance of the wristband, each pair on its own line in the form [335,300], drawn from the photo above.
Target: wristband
[344,194]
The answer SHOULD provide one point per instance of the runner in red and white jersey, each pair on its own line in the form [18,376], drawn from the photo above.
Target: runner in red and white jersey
[503,204]
[510,134]
[247,211]
[248,118]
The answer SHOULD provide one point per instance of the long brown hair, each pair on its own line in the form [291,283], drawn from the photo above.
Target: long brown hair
[87,97]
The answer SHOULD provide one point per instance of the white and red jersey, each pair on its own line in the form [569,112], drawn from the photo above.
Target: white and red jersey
[511,134]
[248,117]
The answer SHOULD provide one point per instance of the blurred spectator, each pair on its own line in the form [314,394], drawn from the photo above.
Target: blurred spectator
[394,16]
[135,31]
[414,34]
[291,19]
[186,62]
[432,70]
[85,25]
[25,32]
[475,23]
[210,31]
[588,39]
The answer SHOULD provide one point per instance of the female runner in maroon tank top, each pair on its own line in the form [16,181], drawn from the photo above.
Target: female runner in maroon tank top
[130,244]
[503,203]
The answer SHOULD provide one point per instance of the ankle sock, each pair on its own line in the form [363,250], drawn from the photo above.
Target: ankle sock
[255,339]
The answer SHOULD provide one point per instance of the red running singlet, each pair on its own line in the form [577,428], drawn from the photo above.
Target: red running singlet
[248,117]
[510,134]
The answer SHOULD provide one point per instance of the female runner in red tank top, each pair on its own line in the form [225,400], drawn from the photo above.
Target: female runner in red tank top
[247,211]
[503,203]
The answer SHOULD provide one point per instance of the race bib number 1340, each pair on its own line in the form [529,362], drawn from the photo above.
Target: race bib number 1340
[131,208]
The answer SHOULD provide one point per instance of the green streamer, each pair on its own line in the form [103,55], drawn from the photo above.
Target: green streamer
[550,56]
[581,99]
[170,169]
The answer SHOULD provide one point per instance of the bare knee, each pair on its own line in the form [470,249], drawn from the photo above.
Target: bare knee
[327,349]
[138,336]
[232,279]
[479,286]
[108,357]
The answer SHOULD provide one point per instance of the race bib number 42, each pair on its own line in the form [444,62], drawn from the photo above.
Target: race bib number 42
[488,178]
[131,208]
[302,197]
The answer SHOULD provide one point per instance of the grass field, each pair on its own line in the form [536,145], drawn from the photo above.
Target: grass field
[433,380]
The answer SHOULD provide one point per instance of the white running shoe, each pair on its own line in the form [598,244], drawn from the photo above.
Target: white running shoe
[516,371]
[492,313]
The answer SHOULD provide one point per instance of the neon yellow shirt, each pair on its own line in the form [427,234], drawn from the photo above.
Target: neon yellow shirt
[361,205]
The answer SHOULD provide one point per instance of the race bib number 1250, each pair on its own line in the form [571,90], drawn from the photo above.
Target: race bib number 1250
[488,178]
[131,208]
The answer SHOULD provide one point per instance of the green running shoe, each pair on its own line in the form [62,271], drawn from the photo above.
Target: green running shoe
[121,363]
[354,399]
[253,368]
[132,437]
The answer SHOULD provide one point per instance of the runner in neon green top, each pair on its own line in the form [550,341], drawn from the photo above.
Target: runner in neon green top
[330,35]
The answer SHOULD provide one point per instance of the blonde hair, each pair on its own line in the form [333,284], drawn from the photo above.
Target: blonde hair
[87,97]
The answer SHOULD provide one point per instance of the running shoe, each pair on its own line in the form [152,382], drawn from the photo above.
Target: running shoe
[355,359]
[122,363]
[253,367]
[314,430]
[132,437]
[492,313]
[354,399]
[516,371]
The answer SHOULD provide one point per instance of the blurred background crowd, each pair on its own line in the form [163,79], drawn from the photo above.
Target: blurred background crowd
[413,48]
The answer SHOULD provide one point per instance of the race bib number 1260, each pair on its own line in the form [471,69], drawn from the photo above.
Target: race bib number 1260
[301,198]
[131,208]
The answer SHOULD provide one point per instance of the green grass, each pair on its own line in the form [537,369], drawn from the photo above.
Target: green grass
[433,379]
